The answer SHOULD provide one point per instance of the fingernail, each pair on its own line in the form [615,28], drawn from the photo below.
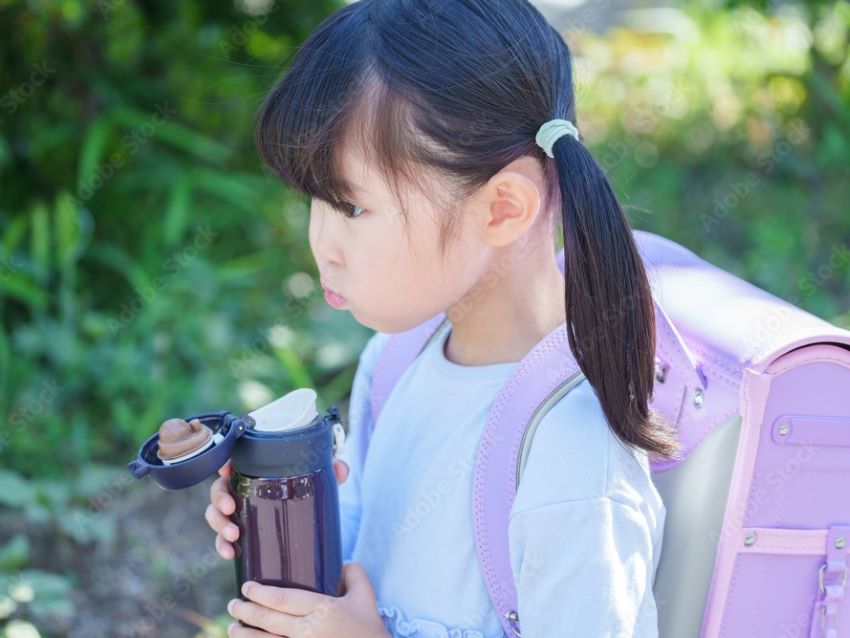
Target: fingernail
[246,587]
[230,606]
[232,531]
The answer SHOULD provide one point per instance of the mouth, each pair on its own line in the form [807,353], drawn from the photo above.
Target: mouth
[333,298]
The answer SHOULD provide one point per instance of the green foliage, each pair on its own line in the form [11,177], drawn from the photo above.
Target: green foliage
[149,267]
[70,513]
[728,132]
[146,260]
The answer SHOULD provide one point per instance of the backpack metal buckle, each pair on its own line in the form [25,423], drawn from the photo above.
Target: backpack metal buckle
[513,618]
[820,578]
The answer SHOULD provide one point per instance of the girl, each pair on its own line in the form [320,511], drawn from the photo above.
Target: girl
[436,141]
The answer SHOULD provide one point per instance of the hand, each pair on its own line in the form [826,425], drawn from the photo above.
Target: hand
[222,506]
[298,613]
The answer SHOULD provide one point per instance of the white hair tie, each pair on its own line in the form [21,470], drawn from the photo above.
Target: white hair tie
[553,130]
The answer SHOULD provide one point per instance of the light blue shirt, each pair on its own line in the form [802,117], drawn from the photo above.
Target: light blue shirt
[585,527]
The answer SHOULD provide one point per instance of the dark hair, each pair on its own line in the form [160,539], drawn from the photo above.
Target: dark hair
[458,89]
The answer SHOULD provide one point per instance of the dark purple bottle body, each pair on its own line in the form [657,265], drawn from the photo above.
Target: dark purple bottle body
[289,531]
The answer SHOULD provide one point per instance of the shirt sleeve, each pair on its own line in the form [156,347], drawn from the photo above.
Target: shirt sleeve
[583,568]
[356,442]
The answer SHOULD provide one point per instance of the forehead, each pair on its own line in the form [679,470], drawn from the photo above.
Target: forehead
[357,172]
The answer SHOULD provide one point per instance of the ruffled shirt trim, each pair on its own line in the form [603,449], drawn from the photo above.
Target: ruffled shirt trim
[398,625]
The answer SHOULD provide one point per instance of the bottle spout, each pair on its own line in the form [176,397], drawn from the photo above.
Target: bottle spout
[138,470]
[292,410]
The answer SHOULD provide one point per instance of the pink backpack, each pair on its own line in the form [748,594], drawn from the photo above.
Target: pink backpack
[758,509]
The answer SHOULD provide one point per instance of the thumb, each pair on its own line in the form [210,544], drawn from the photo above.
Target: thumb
[356,582]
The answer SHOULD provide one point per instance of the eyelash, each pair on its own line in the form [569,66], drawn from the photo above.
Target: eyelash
[346,212]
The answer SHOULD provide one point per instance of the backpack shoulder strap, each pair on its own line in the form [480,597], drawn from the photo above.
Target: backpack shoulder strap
[542,377]
[400,350]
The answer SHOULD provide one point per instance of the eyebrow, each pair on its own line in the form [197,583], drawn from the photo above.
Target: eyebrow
[353,188]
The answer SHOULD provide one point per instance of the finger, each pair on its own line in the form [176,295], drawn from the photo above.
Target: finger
[238,631]
[291,600]
[224,549]
[221,524]
[226,470]
[221,497]
[341,470]
[271,620]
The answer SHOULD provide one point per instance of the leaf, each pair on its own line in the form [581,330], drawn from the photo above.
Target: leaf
[14,233]
[296,370]
[85,526]
[167,130]
[15,553]
[22,287]
[52,593]
[114,257]
[20,629]
[53,493]
[7,606]
[178,210]
[5,367]
[15,491]
[94,480]
[92,150]
[40,242]
[73,225]
[231,188]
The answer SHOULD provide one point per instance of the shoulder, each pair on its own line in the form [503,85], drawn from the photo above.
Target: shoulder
[359,409]
[372,349]
[367,361]
[574,455]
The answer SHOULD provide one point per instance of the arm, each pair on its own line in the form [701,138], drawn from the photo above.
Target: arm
[584,568]
[356,442]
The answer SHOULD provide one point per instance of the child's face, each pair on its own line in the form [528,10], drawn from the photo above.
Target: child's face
[391,281]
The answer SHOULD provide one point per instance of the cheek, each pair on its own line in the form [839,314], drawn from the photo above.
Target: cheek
[397,288]
[417,286]
[400,285]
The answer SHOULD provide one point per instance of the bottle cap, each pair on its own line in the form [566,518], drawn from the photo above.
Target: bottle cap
[293,410]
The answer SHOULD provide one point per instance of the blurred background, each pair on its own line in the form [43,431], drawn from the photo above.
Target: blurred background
[150,267]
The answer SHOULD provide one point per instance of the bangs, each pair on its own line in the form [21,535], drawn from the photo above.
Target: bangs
[336,96]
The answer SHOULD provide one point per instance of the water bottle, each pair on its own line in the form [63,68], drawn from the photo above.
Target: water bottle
[286,493]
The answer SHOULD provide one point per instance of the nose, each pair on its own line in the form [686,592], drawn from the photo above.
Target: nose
[326,235]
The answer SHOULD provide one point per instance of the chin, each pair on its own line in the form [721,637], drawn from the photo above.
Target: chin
[392,325]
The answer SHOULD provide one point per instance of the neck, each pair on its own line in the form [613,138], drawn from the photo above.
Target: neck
[513,306]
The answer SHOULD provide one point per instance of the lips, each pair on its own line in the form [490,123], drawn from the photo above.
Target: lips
[333,298]
[327,288]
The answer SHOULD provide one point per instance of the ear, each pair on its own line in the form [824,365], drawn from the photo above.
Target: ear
[510,202]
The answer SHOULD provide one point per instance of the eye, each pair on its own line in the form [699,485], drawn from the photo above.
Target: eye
[353,210]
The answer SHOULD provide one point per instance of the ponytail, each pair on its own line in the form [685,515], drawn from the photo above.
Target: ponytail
[609,309]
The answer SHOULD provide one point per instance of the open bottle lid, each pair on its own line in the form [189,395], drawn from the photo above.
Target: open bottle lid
[185,452]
